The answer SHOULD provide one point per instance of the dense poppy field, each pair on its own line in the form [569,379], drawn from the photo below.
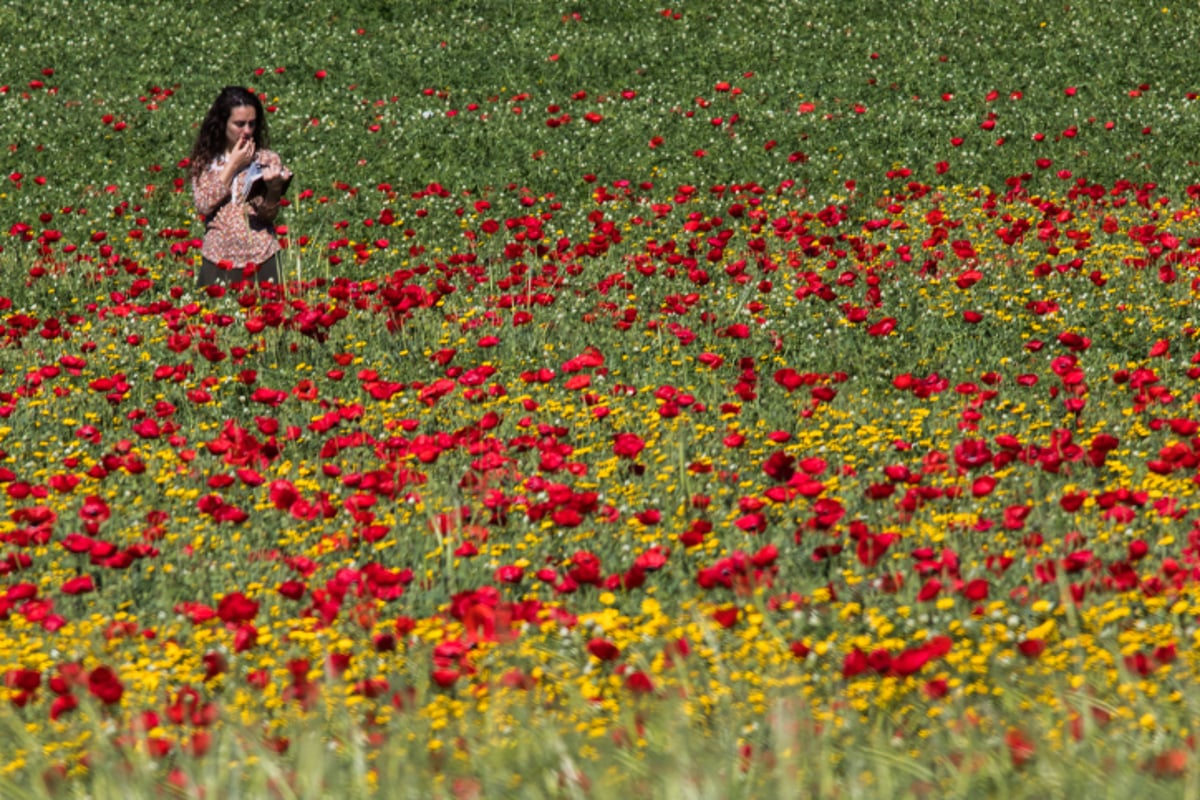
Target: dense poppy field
[621,424]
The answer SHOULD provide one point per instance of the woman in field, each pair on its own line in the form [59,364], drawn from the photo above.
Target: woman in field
[237,184]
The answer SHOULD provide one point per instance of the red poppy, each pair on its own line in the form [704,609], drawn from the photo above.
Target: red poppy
[726,617]
[639,682]
[1031,648]
[510,573]
[983,486]
[236,608]
[628,445]
[855,663]
[79,585]
[104,685]
[976,590]
[603,649]
[1169,764]
[780,466]
[94,509]
[445,677]
[883,327]
[910,661]
[972,454]
[1021,748]
[270,397]
[62,705]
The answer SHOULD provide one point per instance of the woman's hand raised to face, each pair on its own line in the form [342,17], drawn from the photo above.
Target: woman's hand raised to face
[242,154]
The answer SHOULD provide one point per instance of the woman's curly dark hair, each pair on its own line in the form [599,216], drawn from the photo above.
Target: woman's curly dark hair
[210,141]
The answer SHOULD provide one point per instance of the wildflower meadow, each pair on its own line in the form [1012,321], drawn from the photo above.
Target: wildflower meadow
[721,400]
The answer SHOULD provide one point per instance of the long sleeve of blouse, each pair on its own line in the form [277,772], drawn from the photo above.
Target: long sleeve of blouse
[210,191]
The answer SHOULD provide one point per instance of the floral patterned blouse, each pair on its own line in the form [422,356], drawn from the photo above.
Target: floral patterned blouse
[237,230]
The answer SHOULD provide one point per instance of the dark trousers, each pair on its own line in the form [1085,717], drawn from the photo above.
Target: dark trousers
[210,273]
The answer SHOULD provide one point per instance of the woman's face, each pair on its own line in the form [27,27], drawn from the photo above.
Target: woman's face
[242,121]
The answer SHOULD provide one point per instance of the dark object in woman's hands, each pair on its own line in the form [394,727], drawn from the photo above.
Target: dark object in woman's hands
[269,183]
